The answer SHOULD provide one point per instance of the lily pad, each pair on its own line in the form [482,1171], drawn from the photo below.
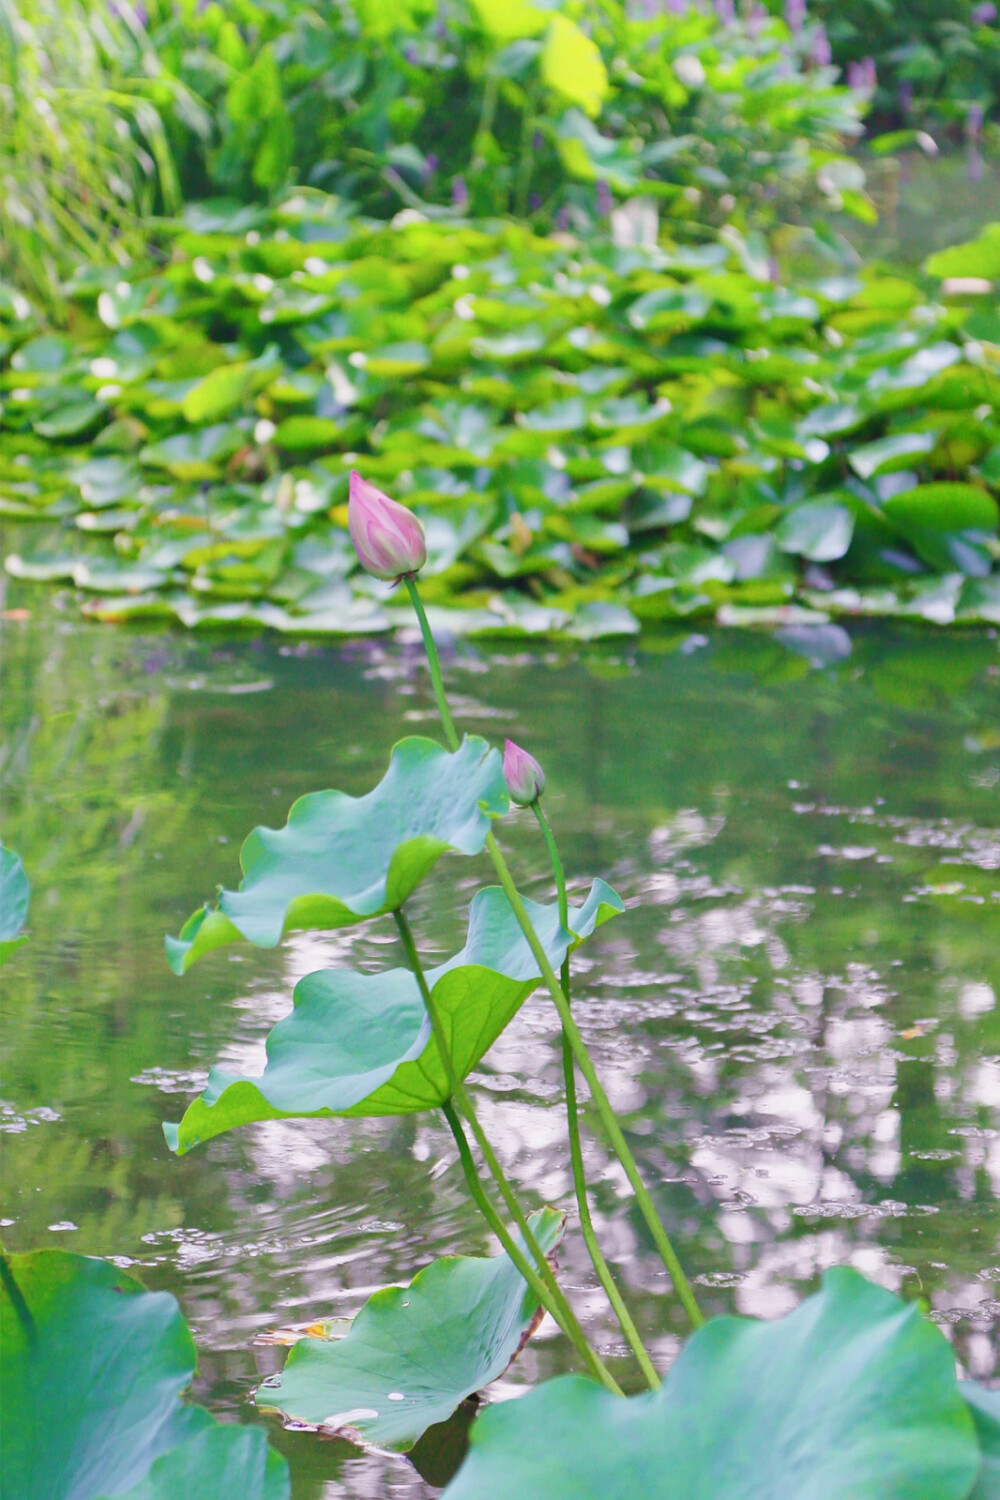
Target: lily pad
[93,1367]
[342,859]
[852,1394]
[14,895]
[361,1044]
[820,530]
[414,1353]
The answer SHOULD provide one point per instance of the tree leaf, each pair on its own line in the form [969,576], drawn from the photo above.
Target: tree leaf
[853,1393]
[573,66]
[92,1370]
[509,20]
[820,530]
[361,1044]
[342,859]
[14,894]
[414,1353]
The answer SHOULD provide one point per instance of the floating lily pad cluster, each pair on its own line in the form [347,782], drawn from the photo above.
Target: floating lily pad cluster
[596,436]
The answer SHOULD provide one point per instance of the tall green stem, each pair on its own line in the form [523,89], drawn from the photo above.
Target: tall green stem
[433,661]
[571,1031]
[600,1265]
[542,1282]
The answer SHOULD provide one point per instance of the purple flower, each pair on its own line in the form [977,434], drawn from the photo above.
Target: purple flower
[905,95]
[535,202]
[524,776]
[982,15]
[563,218]
[862,75]
[974,122]
[795,15]
[431,164]
[388,538]
[605,202]
[756,19]
[726,11]
[974,164]
[459,192]
[820,52]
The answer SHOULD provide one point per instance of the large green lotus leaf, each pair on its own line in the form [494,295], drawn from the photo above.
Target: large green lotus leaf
[92,1370]
[414,1353]
[361,1044]
[985,1408]
[851,1395]
[342,859]
[13,902]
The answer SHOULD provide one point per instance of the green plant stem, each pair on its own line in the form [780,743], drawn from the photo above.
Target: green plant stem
[542,1282]
[600,1265]
[433,661]
[608,1117]
[570,1029]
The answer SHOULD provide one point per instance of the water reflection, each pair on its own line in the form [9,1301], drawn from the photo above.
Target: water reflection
[797,1017]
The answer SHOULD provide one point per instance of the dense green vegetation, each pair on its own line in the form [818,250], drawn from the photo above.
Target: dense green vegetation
[496,106]
[594,433]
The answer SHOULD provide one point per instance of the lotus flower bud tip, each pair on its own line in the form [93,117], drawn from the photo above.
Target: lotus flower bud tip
[388,538]
[524,776]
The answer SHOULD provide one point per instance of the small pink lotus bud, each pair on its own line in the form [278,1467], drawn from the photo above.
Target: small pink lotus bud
[388,538]
[524,776]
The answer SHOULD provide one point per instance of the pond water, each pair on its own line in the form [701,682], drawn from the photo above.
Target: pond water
[796,1018]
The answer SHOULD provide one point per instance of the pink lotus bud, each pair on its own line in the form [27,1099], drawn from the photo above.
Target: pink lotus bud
[388,538]
[524,776]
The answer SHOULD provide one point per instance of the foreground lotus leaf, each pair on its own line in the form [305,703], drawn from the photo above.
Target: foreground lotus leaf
[851,1395]
[361,1044]
[985,1408]
[414,1353]
[342,859]
[92,1371]
[13,902]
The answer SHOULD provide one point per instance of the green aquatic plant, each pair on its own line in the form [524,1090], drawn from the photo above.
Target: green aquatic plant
[597,437]
[855,1390]
[92,1371]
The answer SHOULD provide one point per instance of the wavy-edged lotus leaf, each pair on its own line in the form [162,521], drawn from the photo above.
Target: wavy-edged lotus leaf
[14,895]
[852,1394]
[93,1367]
[414,1353]
[342,859]
[985,1408]
[361,1044]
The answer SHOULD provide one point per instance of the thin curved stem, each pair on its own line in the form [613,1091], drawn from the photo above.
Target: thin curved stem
[600,1265]
[579,1048]
[543,1283]
[608,1117]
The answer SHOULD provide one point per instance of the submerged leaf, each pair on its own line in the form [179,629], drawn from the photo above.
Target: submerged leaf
[852,1394]
[342,859]
[361,1044]
[92,1371]
[414,1353]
